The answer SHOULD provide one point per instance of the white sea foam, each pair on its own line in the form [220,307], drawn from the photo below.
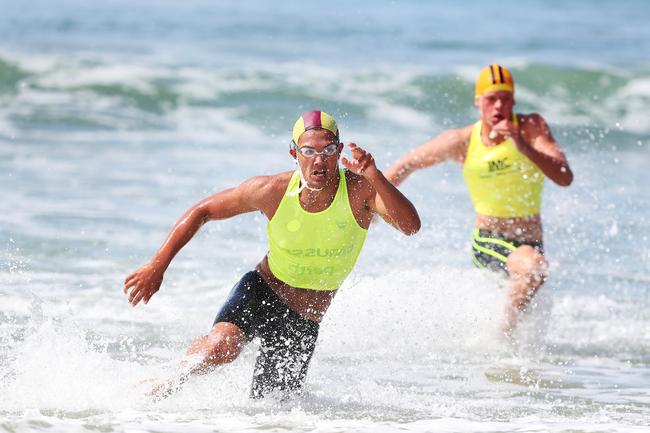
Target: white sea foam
[408,349]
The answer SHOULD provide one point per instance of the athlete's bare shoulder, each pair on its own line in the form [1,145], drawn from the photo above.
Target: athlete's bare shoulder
[464,133]
[451,144]
[268,184]
[267,191]
[460,138]
[533,123]
[536,131]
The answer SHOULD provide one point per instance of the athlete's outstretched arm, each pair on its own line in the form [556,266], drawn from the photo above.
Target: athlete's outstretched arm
[246,197]
[386,200]
[450,145]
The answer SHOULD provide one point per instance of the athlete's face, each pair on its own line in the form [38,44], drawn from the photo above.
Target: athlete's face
[319,170]
[496,106]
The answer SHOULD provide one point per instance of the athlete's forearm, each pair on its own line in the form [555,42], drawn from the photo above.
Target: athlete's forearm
[222,205]
[449,145]
[399,211]
[398,172]
[540,147]
[183,230]
[556,169]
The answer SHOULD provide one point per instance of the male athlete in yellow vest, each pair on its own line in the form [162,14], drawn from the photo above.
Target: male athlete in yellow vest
[505,157]
[318,218]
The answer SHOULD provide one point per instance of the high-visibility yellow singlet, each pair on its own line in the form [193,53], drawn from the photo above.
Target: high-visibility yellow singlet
[314,250]
[502,182]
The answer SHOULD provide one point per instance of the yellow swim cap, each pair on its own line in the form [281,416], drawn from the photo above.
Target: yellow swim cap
[314,120]
[494,77]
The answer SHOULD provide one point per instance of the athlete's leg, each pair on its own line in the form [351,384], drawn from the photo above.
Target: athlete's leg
[288,341]
[527,268]
[282,361]
[231,329]
[222,345]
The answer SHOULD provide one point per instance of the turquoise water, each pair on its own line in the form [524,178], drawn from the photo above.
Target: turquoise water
[117,116]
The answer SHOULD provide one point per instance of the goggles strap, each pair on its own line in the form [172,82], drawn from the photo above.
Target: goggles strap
[303,185]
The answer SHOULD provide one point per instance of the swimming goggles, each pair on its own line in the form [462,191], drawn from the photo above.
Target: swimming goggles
[310,152]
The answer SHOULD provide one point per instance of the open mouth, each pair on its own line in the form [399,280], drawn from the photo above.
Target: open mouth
[319,174]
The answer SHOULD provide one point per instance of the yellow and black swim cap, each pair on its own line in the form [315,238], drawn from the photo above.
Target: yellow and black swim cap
[494,77]
[314,119]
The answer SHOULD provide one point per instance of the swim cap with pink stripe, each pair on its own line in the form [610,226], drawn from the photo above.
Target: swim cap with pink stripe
[314,119]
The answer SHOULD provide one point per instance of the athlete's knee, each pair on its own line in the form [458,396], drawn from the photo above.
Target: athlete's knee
[528,263]
[222,345]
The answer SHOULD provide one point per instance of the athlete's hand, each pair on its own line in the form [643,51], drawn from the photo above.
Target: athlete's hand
[143,283]
[362,162]
[507,129]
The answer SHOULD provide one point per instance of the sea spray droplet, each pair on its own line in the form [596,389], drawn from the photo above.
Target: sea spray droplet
[613,230]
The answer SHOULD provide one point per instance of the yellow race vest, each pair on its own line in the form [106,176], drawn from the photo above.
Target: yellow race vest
[502,182]
[314,250]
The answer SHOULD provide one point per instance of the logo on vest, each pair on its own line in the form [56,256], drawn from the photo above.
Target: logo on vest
[498,165]
[311,270]
[320,252]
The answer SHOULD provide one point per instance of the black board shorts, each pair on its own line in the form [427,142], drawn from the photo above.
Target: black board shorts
[491,251]
[287,339]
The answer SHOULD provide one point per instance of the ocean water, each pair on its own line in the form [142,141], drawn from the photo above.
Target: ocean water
[116,116]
